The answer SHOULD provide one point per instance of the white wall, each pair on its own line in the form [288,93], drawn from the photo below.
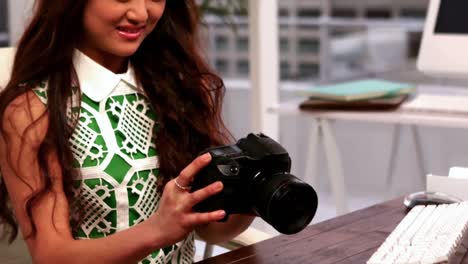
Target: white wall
[19,12]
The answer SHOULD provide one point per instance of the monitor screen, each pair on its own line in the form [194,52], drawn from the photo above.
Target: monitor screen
[452,17]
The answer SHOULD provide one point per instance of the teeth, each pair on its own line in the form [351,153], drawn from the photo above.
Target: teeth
[129,30]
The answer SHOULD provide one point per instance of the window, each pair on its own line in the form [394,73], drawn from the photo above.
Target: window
[3,24]
[242,44]
[378,13]
[284,45]
[344,12]
[243,67]
[308,27]
[222,66]
[285,70]
[308,46]
[283,12]
[308,70]
[221,43]
[241,12]
[340,32]
[413,13]
[221,26]
[308,13]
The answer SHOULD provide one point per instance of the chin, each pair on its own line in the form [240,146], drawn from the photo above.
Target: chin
[126,50]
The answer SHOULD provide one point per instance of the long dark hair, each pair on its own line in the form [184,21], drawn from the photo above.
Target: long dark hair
[183,91]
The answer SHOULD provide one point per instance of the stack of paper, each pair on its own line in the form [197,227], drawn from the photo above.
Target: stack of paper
[363,95]
[359,90]
[455,184]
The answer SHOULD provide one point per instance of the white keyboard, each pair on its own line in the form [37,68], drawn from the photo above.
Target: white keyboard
[436,103]
[427,234]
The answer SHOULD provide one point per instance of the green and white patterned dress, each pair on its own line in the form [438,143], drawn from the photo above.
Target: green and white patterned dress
[113,148]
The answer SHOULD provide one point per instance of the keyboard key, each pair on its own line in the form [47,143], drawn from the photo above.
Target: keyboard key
[427,234]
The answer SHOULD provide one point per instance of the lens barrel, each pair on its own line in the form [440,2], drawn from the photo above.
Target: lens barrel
[284,201]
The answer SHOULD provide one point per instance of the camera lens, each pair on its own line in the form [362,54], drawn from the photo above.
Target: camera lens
[285,202]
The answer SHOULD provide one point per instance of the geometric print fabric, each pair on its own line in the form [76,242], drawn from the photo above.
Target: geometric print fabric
[113,147]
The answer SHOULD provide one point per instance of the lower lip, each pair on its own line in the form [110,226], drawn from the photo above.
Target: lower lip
[130,36]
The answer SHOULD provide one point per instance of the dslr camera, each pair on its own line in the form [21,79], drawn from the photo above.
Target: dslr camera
[256,176]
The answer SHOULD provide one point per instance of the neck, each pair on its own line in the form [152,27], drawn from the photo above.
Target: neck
[112,62]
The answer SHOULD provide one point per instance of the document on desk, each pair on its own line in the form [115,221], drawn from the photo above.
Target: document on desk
[458,172]
[437,103]
[359,90]
[450,185]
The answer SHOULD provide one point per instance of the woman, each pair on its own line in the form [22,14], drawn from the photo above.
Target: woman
[108,105]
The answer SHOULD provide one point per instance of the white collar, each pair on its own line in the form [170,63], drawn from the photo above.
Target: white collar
[96,81]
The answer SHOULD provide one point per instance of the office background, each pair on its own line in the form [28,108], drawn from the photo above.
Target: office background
[369,38]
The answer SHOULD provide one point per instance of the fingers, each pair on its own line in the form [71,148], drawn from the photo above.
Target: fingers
[205,218]
[206,192]
[185,178]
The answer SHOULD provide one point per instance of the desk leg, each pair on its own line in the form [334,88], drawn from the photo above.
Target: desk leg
[395,149]
[419,152]
[335,167]
[393,155]
[311,156]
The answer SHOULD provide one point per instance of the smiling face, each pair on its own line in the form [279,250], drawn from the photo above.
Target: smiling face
[114,29]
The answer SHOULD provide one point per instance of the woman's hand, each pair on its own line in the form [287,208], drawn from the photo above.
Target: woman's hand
[175,217]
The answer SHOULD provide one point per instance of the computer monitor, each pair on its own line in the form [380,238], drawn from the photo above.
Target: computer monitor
[444,47]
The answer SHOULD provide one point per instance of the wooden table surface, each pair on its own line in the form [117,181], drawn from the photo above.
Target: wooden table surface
[351,238]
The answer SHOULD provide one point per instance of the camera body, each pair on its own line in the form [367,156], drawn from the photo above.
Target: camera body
[256,179]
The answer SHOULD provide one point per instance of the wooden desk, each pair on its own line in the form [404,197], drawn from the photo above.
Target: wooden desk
[350,238]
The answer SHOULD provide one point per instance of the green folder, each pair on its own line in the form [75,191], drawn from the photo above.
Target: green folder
[359,90]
